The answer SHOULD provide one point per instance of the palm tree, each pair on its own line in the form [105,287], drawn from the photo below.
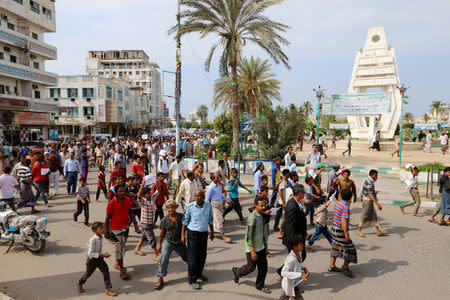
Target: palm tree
[409,118]
[426,117]
[307,108]
[235,23]
[437,109]
[202,114]
[257,87]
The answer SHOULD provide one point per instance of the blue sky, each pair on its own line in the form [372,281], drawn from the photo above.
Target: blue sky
[325,36]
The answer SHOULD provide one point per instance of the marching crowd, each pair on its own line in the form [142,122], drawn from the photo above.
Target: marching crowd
[197,204]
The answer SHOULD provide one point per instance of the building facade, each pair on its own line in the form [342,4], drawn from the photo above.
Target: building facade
[95,105]
[26,113]
[133,66]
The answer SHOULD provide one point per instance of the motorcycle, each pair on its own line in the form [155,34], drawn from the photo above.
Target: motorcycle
[30,231]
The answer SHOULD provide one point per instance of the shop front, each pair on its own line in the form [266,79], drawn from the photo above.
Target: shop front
[33,125]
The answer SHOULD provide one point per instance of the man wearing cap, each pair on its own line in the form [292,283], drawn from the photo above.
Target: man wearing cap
[71,169]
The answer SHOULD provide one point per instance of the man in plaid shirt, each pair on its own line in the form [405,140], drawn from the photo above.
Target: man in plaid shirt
[146,200]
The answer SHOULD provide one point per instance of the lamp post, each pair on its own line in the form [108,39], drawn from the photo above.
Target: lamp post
[178,81]
[319,95]
[402,90]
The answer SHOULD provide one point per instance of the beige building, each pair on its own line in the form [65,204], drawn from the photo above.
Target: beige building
[133,66]
[26,113]
[96,105]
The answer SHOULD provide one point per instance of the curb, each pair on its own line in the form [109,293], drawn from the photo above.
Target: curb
[427,204]
[5,297]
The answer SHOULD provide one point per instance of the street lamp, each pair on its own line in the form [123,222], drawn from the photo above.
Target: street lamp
[178,82]
[402,89]
[319,95]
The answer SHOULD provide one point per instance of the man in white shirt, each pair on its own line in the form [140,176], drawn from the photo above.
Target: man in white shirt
[312,159]
[163,164]
[412,185]
[175,174]
[8,186]
[444,142]
[287,157]
[187,191]
[428,142]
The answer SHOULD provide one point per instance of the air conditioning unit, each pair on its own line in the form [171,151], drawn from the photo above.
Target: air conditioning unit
[4,17]
[88,99]
[7,49]
[88,117]
[56,118]
[32,56]
[73,99]
[56,99]
[35,87]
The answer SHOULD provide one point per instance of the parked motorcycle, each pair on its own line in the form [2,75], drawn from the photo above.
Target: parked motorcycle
[30,230]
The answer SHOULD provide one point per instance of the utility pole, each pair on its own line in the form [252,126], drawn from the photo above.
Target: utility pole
[402,90]
[319,95]
[178,82]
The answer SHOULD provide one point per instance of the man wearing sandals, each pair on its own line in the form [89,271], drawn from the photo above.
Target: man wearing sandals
[342,244]
[412,185]
[369,214]
[118,212]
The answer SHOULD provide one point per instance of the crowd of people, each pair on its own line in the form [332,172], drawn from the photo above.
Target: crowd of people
[191,205]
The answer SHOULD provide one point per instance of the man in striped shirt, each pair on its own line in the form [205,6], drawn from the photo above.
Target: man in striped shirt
[146,199]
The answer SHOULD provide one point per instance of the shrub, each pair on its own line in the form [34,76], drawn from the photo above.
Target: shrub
[223,144]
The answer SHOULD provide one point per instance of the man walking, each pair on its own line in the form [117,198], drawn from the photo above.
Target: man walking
[197,218]
[288,157]
[443,139]
[255,248]
[312,159]
[175,174]
[72,168]
[55,171]
[349,144]
[428,142]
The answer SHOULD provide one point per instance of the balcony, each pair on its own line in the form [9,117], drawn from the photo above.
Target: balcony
[15,70]
[44,77]
[12,102]
[43,49]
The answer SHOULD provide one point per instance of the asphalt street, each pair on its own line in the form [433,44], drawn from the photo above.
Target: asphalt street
[411,262]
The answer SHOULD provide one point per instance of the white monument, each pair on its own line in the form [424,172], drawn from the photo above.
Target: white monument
[376,67]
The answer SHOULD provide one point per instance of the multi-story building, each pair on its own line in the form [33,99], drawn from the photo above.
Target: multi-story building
[95,105]
[135,67]
[25,111]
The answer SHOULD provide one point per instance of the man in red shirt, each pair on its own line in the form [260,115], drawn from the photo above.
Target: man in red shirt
[118,212]
[39,174]
[137,168]
[161,186]
[118,171]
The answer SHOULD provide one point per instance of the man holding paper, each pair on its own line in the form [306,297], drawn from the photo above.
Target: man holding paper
[39,175]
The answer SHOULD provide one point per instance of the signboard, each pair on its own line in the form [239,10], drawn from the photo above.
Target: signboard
[53,134]
[213,163]
[43,106]
[431,126]
[357,104]
[166,112]
[187,163]
[250,166]
[31,118]
[144,136]
[338,126]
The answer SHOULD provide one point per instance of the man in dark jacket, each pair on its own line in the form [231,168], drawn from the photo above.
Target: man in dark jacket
[295,220]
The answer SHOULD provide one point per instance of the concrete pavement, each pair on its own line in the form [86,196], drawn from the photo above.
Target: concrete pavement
[410,263]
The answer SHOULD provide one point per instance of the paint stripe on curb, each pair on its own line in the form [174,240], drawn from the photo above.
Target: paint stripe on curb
[427,204]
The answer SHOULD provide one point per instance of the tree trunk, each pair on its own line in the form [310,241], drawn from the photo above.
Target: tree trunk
[252,103]
[235,112]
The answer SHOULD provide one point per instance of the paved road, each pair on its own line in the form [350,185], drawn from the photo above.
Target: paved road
[412,262]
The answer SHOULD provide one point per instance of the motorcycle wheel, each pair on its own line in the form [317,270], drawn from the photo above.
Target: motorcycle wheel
[38,245]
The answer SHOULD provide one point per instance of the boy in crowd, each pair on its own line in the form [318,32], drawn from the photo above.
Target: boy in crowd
[309,195]
[412,185]
[83,200]
[233,187]
[101,185]
[95,259]
[321,223]
[8,184]
[163,194]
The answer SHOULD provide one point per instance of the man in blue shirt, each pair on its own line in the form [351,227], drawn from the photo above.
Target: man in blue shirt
[71,169]
[197,218]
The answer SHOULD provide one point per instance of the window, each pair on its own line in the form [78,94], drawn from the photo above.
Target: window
[19,1]
[34,35]
[126,91]
[150,74]
[88,111]
[109,93]
[142,102]
[151,109]
[11,26]
[12,59]
[127,106]
[150,85]
[34,6]
[130,73]
[2,56]
[72,111]
[88,92]
[55,93]
[138,83]
[120,95]
[47,13]
[36,65]
[114,73]
[151,96]
[120,112]
[72,93]
[137,72]
[37,94]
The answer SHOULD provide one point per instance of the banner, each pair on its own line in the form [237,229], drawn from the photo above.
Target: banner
[187,163]
[31,118]
[357,104]
[250,166]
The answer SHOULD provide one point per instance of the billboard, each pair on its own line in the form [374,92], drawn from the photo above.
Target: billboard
[357,104]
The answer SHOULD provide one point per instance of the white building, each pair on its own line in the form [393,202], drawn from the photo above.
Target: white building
[135,67]
[96,105]
[25,111]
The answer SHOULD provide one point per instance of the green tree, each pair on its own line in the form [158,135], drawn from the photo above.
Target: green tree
[437,109]
[307,109]
[409,118]
[223,123]
[202,114]
[277,128]
[257,87]
[426,117]
[235,23]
